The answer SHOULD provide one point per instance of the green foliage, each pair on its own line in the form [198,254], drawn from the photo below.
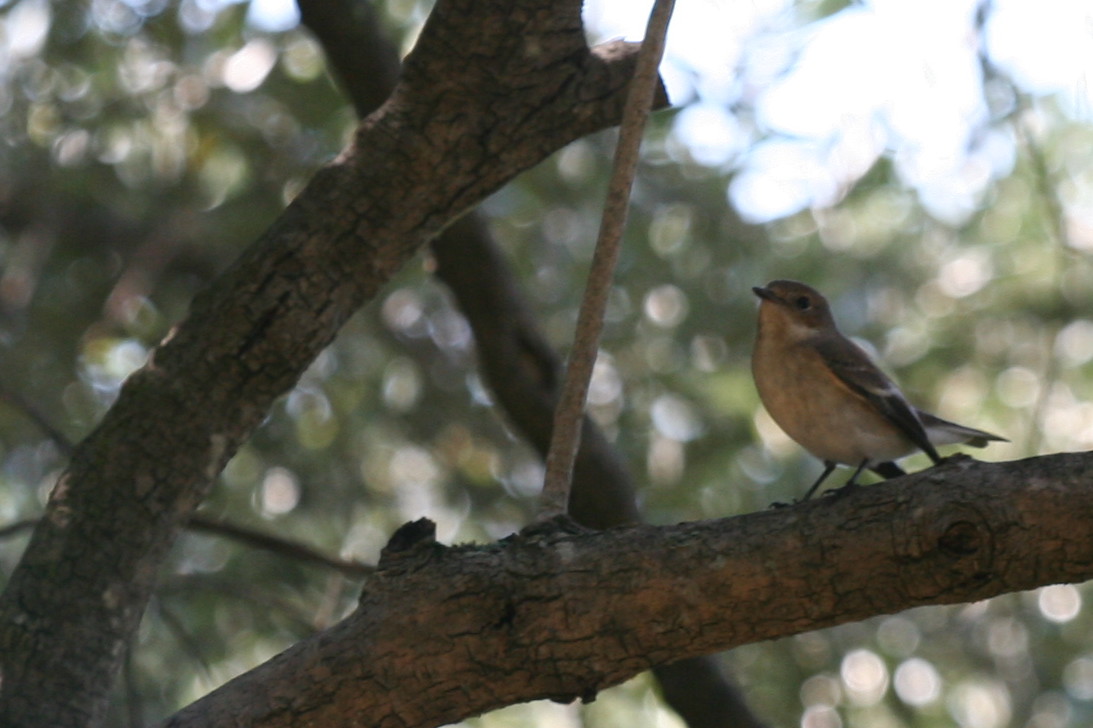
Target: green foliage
[146,144]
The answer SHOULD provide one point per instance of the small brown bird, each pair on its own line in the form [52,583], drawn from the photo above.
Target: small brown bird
[827,395]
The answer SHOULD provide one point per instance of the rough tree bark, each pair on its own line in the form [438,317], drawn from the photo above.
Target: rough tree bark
[441,633]
[490,90]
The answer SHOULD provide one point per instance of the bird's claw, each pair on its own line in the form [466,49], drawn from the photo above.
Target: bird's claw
[840,492]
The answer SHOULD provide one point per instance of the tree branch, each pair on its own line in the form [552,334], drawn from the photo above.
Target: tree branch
[274,544]
[564,615]
[569,416]
[454,130]
[35,415]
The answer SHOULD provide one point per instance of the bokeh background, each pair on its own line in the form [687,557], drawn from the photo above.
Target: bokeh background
[928,165]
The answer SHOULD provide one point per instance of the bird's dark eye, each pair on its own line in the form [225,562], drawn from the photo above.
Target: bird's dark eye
[803,303]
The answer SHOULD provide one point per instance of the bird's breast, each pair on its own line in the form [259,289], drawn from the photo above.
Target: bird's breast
[818,411]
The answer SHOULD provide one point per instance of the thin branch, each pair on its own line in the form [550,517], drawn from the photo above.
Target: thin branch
[274,544]
[16,528]
[569,415]
[190,644]
[248,536]
[39,418]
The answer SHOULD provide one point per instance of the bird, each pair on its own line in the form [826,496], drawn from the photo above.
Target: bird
[826,393]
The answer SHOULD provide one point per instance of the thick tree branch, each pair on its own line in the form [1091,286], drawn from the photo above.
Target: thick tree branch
[455,129]
[563,616]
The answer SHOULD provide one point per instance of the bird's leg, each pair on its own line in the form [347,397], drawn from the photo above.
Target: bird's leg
[828,467]
[854,478]
[853,482]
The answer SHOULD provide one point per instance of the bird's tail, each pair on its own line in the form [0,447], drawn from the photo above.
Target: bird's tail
[943,432]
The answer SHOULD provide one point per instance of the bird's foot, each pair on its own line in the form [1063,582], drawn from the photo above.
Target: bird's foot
[956,457]
[840,492]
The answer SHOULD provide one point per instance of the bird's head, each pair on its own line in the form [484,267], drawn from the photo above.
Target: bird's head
[793,309]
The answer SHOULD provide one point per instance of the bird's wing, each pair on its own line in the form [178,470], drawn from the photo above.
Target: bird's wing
[854,369]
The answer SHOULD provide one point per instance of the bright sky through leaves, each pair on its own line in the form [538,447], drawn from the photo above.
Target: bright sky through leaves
[881,76]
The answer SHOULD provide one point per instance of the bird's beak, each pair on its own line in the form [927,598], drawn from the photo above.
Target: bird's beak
[765,293]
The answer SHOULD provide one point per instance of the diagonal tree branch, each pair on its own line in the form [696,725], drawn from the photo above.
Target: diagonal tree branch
[564,615]
[566,433]
[453,131]
[39,418]
[257,539]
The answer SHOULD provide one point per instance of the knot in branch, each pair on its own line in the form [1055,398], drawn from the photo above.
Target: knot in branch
[961,538]
[411,542]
